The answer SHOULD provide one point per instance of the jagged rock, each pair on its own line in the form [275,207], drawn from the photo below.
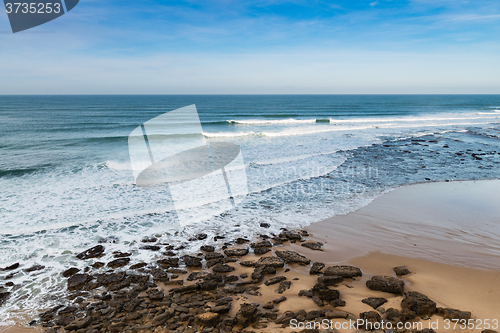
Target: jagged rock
[401,270]
[419,303]
[369,317]
[78,281]
[293,257]
[79,324]
[330,280]
[344,271]
[11,267]
[247,314]
[207,248]
[118,262]
[94,252]
[316,268]
[191,261]
[386,284]
[284,285]
[274,280]
[261,244]
[168,262]
[316,246]
[374,302]
[236,252]
[70,272]
[270,261]
[222,268]
[111,278]
[208,318]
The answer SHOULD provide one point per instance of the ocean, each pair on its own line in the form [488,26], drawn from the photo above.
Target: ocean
[66,181]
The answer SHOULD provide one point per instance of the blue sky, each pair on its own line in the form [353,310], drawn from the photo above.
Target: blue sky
[170,47]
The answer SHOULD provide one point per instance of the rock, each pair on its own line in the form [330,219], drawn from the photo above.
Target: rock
[97,265]
[70,272]
[169,262]
[401,270]
[34,268]
[213,255]
[79,324]
[293,257]
[284,285]
[155,294]
[330,280]
[11,267]
[386,284]
[270,261]
[208,318]
[454,314]
[159,275]
[316,246]
[78,281]
[307,293]
[374,302]
[265,225]
[236,252]
[291,235]
[207,248]
[489,331]
[369,317]
[316,268]
[191,261]
[119,254]
[279,300]
[344,271]
[261,244]
[247,314]
[4,297]
[150,247]
[138,265]
[94,252]
[274,280]
[118,262]
[259,252]
[222,268]
[149,239]
[420,304]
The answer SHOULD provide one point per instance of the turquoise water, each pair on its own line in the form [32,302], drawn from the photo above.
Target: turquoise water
[66,180]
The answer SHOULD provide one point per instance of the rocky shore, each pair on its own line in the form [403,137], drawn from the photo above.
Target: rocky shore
[230,286]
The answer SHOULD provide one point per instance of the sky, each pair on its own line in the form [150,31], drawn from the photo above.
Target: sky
[257,47]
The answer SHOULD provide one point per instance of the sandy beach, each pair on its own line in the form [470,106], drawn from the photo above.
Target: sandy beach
[447,235]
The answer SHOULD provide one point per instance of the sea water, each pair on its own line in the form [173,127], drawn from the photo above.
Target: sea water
[66,182]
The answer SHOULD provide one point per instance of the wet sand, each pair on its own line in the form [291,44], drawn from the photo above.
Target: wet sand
[446,233]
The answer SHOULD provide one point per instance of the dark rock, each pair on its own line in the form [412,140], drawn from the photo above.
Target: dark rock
[247,314]
[191,261]
[94,252]
[369,317]
[261,244]
[201,236]
[155,294]
[316,268]
[207,248]
[11,267]
[307,293]
[274,280]
[70,272]
[4,297]
[259,252]
[241,240]
[374,302]
[150,247]
[149,239]
[208,318]
[170,253]
[97,265]
[118,262]
[138,265]
[488,331]
[79,324]
[159,275]
[420,304]
[279,300]
[291,235]
[213,255]
[293,257]
[330,280]
[222,268]
[454,314]
[34,268]
[248,263]
[265,225]
[270,261]
[386,284]
[78,281]
[168,262]
[344,271]
[236,252]
[317,246]
[401,270]
[118,254]
[284,285]
[111,278]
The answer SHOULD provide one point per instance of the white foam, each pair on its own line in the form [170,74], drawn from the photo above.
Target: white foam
[272,122]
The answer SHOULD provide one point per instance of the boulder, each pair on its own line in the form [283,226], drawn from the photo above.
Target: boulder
[293,257]
[316,268]
[261,244]
[191,261]
[222,268]
[420,304]
[247,314]
[70,272]
[270,261]
[118,263]
[168,262]
[78,281]
[316,246]
[236,252]
[94,252]
[386,284]
[401,270]
[344,271]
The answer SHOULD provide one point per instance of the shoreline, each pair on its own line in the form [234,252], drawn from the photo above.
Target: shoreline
[437,279]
